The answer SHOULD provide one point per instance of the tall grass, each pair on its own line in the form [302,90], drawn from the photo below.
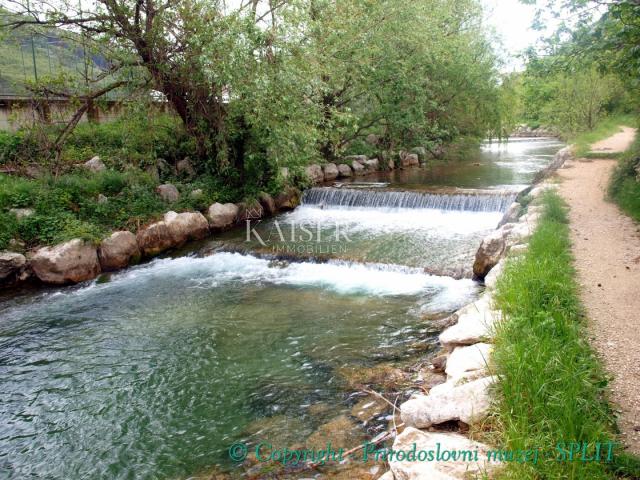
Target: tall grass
[607,127]
[552,387]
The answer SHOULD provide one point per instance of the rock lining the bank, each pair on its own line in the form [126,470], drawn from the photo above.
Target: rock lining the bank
[466,395]
[77,261]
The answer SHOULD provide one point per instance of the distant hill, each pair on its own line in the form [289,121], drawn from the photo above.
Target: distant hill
[54,53]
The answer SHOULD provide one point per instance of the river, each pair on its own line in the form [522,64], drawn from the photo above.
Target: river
[154,371]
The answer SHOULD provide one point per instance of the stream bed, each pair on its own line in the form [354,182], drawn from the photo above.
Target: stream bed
[155,371]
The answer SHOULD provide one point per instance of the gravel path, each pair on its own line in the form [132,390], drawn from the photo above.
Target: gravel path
[606,245]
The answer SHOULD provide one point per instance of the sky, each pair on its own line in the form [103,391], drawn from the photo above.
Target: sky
[512,21]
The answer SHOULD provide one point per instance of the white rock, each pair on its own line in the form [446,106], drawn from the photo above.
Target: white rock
[474,324]
[519,233]
[222,216]
[70,262]
[186,226]
[491,280]
[471,457]
[468,403]
[464,360]
[95,165]
[21,213]
[372,164]
[519,249]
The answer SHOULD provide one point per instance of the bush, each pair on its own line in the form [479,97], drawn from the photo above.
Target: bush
[624,187]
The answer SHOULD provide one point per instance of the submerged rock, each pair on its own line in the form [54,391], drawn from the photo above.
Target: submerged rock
[118,251]
[468,403]
[222,216]
[466,464]
[341,432]
[70,262]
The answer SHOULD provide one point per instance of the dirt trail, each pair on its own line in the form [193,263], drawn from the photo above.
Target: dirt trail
[606,245]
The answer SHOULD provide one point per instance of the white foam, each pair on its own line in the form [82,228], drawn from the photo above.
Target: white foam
[441,223]
[338,276]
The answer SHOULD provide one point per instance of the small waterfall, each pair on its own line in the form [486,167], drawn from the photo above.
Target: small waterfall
[482,201]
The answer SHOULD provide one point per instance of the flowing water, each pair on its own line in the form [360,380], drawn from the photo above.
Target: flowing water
[153,372]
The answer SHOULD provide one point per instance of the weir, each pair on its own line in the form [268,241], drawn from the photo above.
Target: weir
[482,201]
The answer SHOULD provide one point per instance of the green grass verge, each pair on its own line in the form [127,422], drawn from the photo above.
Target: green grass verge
[68,206]
[607,127]
[552,387]
[624,187]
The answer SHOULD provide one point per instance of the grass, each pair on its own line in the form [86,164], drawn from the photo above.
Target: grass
[624,187]
[68,207]
[605,128]
[552,387]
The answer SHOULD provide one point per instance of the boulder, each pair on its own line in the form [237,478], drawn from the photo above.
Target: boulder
[184,168]
[356,158]
[284,173]
[10,265]
[70,262]
[268,203]
[421,152]
[222,216]
[373,139]
[491,280]
[475,324]
[169,193]
[344,171]
[164,168]
[409,159]
[186,226]
[464,360]
[118,251]
[102,199]
[154,239]
[314,173]
[331,172]
[246,211]
[470,461]
[468,403]
[21,213]
[372,164]
[95,165]
[518,249]
[288,199]
[358,169]
[511,215]
[520,232]
[491,250]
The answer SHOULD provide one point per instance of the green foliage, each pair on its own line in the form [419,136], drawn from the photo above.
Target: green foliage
[604,129]
[624,187]
[552,387]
